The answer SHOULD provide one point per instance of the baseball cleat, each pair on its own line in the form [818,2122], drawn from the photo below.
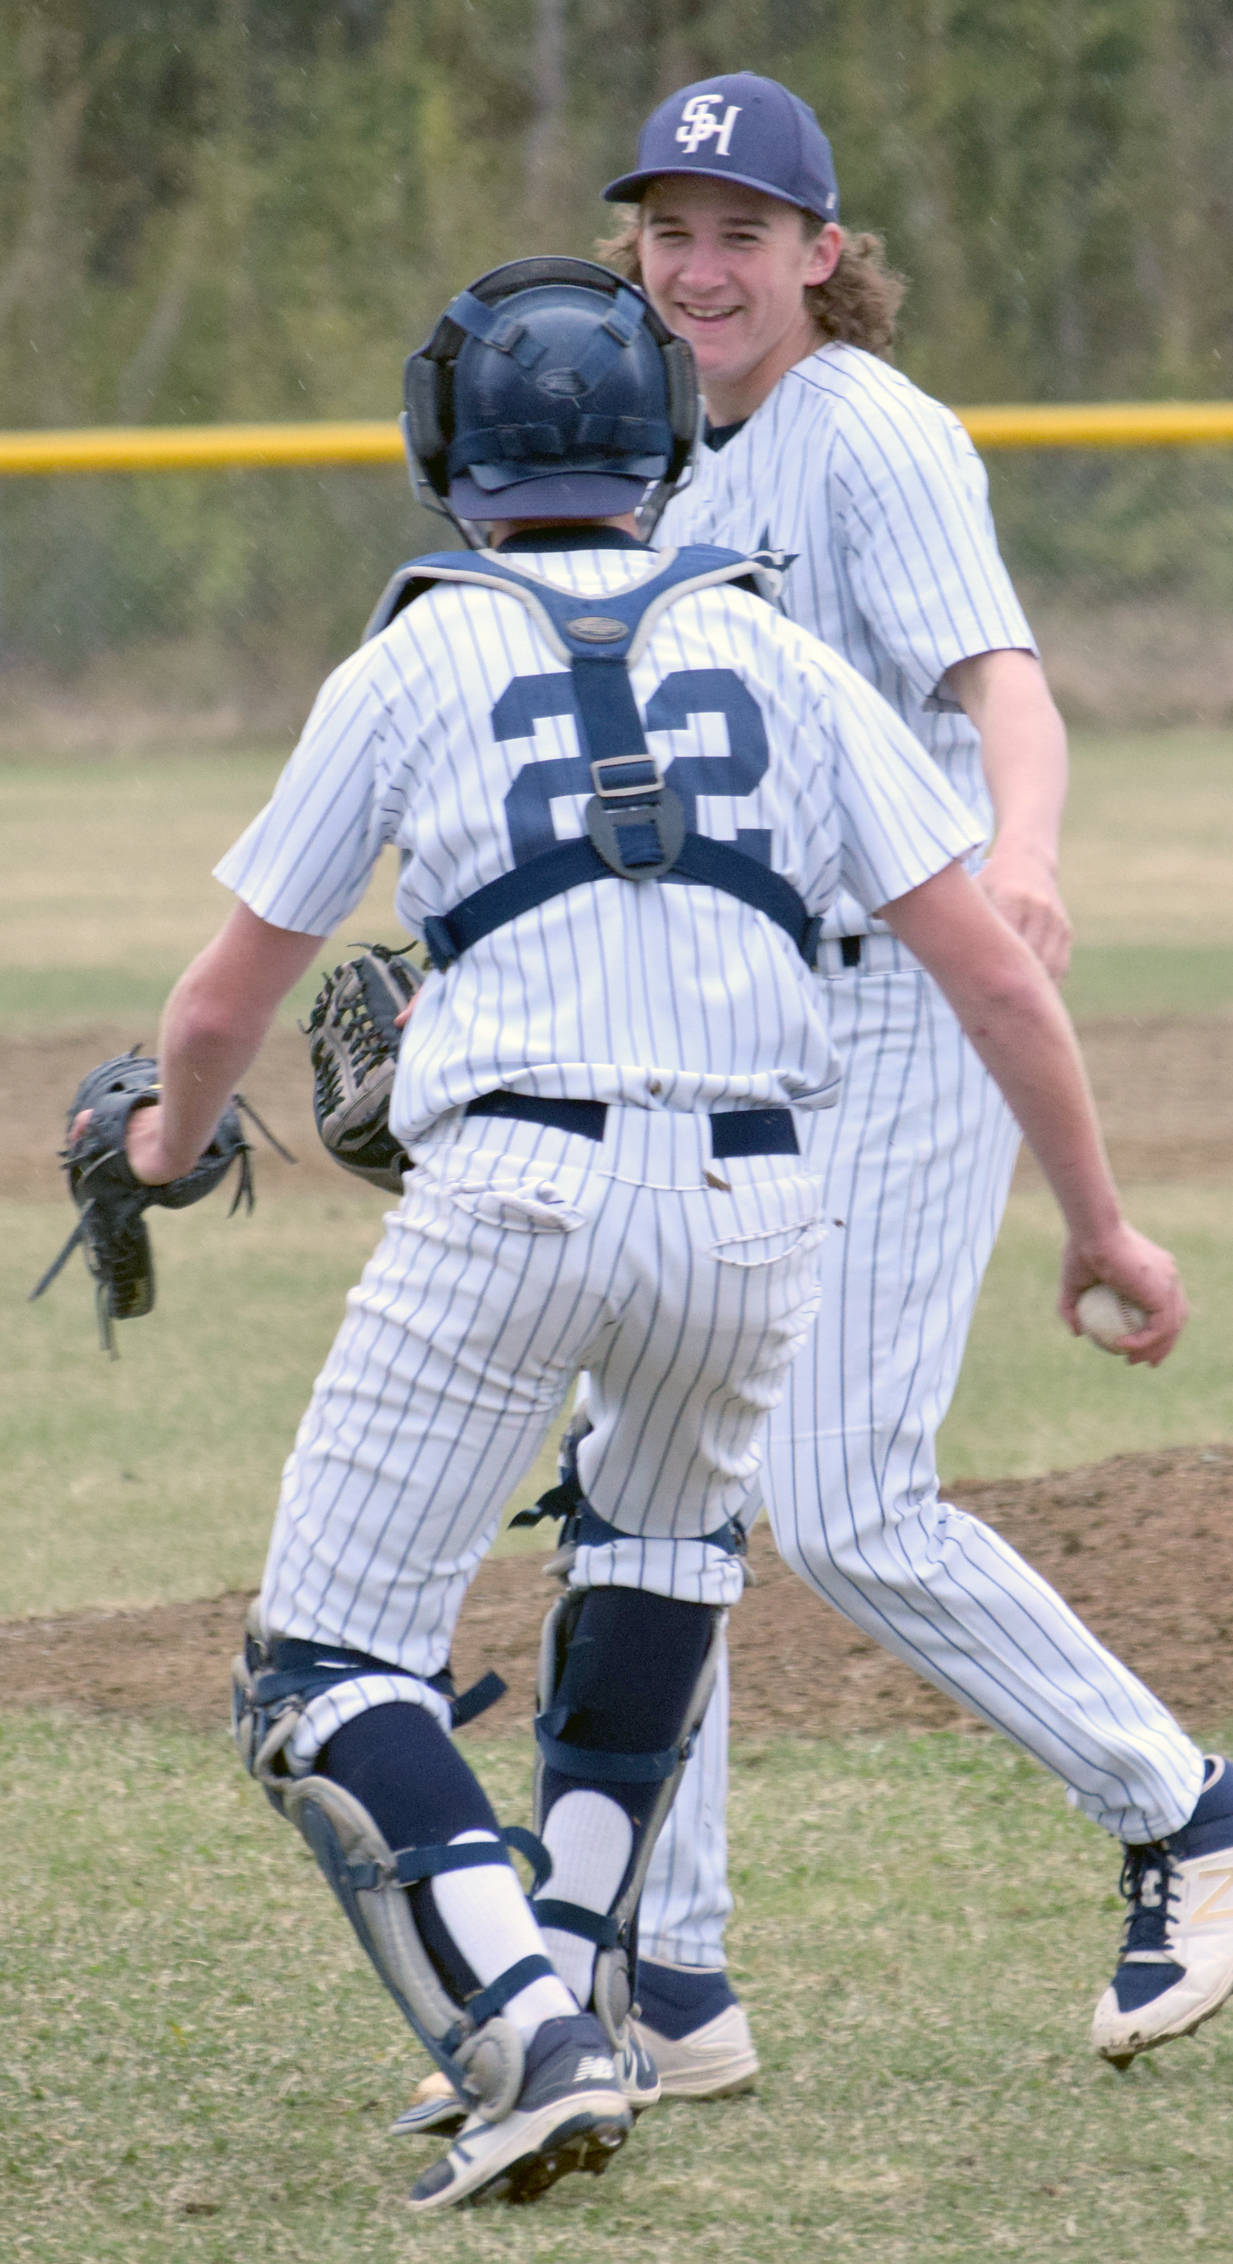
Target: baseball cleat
[437,2106]
[637,2071]
[571,2115]
[696,2032]
[1176,1963]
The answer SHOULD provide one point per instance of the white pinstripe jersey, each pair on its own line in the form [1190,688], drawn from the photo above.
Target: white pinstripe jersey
[878,493]
[451,735]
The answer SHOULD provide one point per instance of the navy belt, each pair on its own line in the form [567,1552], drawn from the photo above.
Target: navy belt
[734,1131]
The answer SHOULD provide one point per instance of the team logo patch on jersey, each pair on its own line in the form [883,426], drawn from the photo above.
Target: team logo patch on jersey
[699,124]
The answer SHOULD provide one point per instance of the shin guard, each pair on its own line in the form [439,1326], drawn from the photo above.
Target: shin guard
[481,2053]
[624,1681]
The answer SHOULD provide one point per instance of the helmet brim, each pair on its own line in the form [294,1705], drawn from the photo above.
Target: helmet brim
[557,495]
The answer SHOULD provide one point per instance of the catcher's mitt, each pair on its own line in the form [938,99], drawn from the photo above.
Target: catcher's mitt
[111,1200]
[353,1043]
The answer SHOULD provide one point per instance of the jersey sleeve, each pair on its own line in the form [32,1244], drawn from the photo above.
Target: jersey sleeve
[912,498]
[899,820]
[307,857]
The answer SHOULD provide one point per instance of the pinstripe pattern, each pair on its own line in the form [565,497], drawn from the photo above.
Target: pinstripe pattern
[857,1423]
[519,1255]
[880,494]
[568,999]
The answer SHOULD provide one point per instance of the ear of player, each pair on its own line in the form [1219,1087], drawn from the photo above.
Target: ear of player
[549,388]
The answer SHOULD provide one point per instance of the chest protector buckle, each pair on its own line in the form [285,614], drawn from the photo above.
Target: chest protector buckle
[635,821]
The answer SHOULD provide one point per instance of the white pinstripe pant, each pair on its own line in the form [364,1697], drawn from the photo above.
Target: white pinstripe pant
[517,1255]
[917,1161]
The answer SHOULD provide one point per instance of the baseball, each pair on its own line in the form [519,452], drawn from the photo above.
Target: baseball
[1104,1316]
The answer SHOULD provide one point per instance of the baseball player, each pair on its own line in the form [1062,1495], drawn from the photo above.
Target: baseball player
[817,447]
[595,761]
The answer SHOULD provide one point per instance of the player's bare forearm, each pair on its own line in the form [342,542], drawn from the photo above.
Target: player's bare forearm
[213,1027]
[1019,1027]
[1023,749]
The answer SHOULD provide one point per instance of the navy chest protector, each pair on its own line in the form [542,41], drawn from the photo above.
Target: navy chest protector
[635,825]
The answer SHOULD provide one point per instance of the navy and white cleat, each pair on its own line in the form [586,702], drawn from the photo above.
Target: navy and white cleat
[637,2072]
[1176,1964]
[571,2115]
[437,2106]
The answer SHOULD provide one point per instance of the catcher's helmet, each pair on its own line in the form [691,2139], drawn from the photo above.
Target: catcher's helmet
[549,390]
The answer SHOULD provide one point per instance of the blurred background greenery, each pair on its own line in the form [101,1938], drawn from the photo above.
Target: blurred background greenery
[233,209]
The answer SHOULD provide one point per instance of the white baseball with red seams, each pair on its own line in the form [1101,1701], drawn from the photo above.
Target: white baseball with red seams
[1105,1317]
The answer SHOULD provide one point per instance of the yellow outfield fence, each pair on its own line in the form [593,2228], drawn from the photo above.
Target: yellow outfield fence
[181,448]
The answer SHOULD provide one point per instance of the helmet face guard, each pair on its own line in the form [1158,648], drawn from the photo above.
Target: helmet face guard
[549,390]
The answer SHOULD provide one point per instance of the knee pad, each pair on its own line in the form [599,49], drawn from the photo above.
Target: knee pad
[275,1679]
[600,1725]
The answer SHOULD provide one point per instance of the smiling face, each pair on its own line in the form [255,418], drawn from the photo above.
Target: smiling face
[727,268]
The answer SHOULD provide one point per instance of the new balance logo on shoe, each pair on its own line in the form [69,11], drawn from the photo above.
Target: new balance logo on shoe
[1217,1908]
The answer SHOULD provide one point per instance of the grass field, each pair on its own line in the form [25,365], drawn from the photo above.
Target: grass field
[196,2063]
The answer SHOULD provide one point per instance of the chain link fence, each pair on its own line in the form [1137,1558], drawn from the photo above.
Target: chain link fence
[214,602]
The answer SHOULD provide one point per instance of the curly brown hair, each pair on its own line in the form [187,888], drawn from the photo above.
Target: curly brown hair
[856,306]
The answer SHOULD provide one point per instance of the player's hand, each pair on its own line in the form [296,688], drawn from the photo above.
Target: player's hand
[142,1145]
[147,1154]
[1142,1273]
[1021,886]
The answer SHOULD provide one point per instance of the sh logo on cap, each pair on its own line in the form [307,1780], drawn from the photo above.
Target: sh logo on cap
[738,127]
[699,124]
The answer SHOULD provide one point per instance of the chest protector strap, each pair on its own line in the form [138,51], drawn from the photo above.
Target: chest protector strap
[635,824]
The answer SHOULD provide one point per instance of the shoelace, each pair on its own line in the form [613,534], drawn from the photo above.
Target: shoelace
[1147,1920]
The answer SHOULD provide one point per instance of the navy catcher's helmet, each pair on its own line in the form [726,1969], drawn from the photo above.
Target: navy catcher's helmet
[549,390]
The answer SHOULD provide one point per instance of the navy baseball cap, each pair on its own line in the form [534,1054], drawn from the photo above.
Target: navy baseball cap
[737,128]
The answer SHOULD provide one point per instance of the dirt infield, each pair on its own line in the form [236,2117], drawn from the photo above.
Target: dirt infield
[1164,1088]
[1142,1546]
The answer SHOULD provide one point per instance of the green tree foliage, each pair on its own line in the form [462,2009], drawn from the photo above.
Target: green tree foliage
[226,209]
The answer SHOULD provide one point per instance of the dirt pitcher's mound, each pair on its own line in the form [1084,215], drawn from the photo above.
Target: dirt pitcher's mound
[1141,1546]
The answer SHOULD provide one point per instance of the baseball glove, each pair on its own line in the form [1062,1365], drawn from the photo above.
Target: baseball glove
[111,1228]
[353,1043]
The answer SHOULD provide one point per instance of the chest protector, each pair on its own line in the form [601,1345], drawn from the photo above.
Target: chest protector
[635,825]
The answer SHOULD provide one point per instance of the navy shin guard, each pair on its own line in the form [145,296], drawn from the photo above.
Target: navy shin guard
[399,1763]
[625,1677]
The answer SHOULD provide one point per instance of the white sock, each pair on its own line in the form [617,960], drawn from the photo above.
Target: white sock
[590,1839]
[488,1917]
